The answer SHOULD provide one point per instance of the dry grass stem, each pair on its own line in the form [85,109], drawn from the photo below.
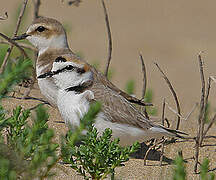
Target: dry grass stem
[109,38]
[162,152]
[174,95]
[15,33]
[209,125]
[5,17]
[189,114]
[37,4]
[144,84]
[13,43]
[155,143]
[144,76]
[201,114]
[163,111]
[22,45]
[213,79]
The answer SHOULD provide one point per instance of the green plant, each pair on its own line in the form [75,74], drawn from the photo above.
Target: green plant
[148,98]
[97,156]
[130,87]
[14,73]
[204,171]
[31,152]
[25,151]
[179,169]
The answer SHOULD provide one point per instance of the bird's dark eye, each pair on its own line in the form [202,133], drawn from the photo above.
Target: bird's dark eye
[41,29]
[69,67]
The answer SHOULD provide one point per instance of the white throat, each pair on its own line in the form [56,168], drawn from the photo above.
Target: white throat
[54,42]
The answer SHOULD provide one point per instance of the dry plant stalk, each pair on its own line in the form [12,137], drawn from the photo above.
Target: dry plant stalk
[5,17]
[109,38]
[155,143]
[22,45]
[174,95]
[144,84]
[36,4]
[15,33]
[201,134]
[13,43]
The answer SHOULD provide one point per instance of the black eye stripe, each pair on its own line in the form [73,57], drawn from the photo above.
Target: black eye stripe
[69,67]
[80,70]
[40,29]
[60,59]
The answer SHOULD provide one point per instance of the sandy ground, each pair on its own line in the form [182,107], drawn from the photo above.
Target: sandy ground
[169,32]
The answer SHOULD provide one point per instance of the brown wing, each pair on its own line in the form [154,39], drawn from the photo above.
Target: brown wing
[117,109]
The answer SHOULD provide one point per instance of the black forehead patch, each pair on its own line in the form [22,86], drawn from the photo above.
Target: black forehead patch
[60,59]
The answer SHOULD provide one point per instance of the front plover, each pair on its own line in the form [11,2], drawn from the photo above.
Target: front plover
[74,81]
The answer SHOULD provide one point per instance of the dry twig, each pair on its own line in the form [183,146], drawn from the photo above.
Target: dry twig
[13,43]
[144,84]
[163,111]
[174,95]
[144,76]
[22,45]
[5,17]
[109,38]
[15,33]
[201,114]
[37,4]
[155,143]
[210,125]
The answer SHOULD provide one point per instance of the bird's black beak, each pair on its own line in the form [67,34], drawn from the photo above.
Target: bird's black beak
[23,36]
[46,75]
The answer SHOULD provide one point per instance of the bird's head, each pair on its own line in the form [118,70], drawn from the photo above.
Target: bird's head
[67,74]
[45,33]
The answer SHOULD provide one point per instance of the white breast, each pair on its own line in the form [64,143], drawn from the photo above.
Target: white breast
[49,90]
[73,106]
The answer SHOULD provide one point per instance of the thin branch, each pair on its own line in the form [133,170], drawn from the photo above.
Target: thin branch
[163,111]
[151,147]
[13,43]
[201,114]
[167,121]
[144,84]
[174,95]
[23,45]
[109,38]
[29,98]
[162,152]
[210,125]
[144,76]
[5,17]
[202,102]
[74,2]
[189,114]
[205,107]
[37,4]
[15,33]
[213,79]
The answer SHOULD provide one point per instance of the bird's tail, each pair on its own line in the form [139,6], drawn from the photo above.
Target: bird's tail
[168,132]
[177,133]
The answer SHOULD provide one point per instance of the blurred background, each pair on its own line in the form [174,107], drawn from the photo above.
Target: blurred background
[169,32]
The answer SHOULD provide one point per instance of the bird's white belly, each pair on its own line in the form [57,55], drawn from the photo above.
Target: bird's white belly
[127,134]
[49,90]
